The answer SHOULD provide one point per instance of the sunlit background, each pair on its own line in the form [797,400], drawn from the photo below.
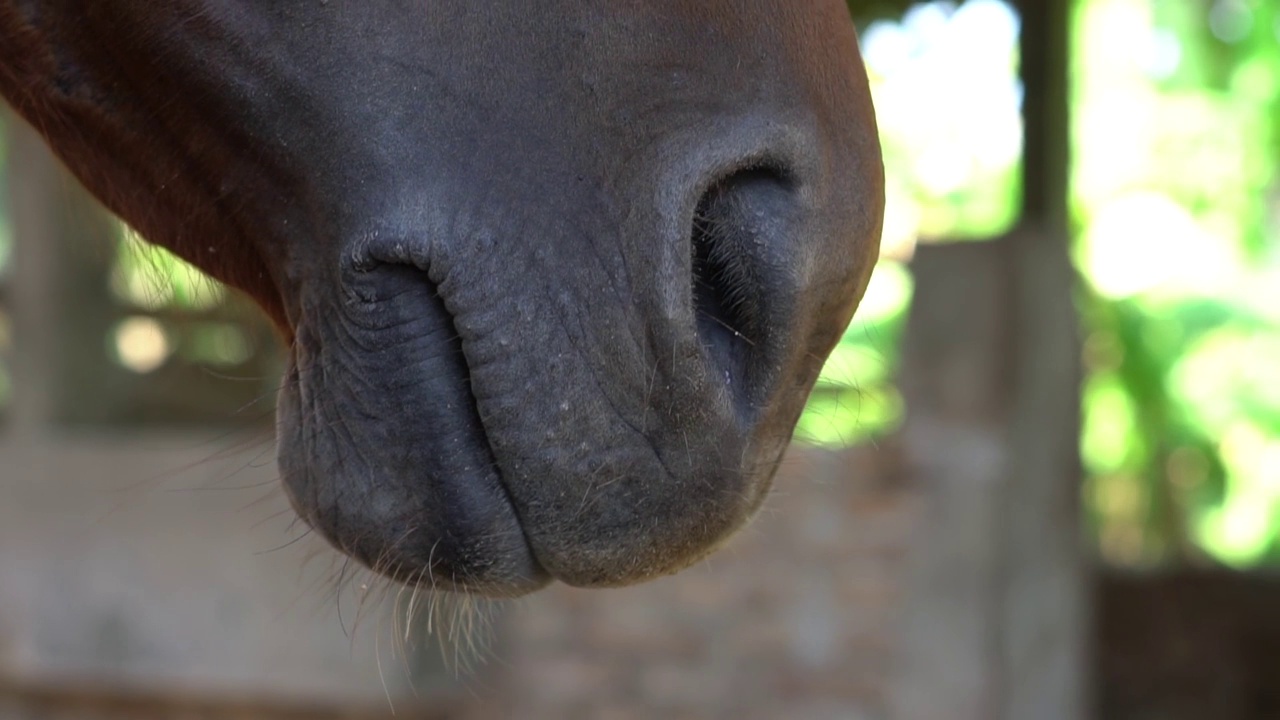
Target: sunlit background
[1176,204]
[1176,112]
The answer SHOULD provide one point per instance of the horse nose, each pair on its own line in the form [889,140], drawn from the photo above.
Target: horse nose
[742,240]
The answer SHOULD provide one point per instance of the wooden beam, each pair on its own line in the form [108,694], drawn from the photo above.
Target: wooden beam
[1045,70]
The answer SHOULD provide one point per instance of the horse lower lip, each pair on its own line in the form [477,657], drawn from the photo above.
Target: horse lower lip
[413,490]
[419,572]
[473,542]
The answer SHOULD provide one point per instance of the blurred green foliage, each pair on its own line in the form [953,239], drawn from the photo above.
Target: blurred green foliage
[1176,200]
[1176,191]
[856,397]
[150,278]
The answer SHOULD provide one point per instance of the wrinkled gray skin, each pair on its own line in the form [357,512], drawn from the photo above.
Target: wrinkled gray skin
[557,276]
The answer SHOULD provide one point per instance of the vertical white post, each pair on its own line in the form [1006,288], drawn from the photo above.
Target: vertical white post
[31,179]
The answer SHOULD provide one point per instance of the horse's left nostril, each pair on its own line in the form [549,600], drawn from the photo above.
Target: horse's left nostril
[739,234]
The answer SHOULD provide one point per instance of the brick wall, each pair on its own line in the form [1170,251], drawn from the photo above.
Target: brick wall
[794,619]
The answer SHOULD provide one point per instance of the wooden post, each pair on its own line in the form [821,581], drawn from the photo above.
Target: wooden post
[995,624]
[1046,588]
[30,178]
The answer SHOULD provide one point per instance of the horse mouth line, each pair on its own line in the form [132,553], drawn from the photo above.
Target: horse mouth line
[484,505]
[468,414]
[536,567]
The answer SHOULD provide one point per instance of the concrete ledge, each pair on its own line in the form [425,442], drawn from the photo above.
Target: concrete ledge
[173,561]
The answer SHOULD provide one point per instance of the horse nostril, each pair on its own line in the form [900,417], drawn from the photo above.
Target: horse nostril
[739,243]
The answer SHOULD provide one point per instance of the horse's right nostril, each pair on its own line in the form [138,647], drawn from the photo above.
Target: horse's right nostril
[739,238]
